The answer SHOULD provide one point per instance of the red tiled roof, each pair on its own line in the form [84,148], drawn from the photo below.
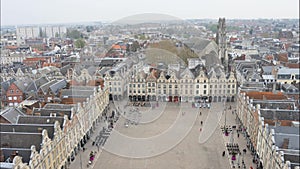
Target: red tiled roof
[265,95]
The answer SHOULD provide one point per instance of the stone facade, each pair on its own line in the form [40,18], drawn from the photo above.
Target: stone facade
[57,152]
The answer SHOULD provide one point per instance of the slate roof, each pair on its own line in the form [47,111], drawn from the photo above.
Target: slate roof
[12,114]
[267,70]
[28,128]
[54,106]
[23,83]
[83,88]
[40,120]
[47,112]
[64,69]
[5,85]
[21,140]
[57,86]
[66,93]
[197,43]
[46,86]
[23,152]
[292,115]
[288,71]
[286,132]
[211,59]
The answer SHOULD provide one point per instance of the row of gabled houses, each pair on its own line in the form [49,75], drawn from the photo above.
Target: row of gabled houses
[268,112]
[50,136]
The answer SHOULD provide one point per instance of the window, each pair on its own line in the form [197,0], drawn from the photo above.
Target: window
[232,91]
[197,86]
[149,90]
[197,91]
[233,86]
[176,86]
[153,84]
[170,86]
[9,98]
[165,92]
[204,81]
[17,91]
[186,92]
[158,86]
[11,91]
[228,86]
[204,91]
[129,85]
[204,86]
[149,84]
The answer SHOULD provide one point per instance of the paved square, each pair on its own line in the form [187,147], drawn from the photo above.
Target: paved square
[188,153]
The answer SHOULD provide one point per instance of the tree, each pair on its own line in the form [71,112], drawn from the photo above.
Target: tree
[79,43]
[74,34]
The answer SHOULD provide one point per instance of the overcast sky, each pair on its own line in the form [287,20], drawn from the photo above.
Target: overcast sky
[15,12]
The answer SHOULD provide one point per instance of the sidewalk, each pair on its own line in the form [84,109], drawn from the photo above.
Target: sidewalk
[241,141]
[82,158]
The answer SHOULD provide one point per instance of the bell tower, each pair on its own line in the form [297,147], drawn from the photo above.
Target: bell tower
[221,41]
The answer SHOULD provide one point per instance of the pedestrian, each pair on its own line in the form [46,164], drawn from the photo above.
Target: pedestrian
[223,154]
[200,113]
[201,122]
[238,135]
[200,129]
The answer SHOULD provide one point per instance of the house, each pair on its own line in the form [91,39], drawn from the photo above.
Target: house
[15,93]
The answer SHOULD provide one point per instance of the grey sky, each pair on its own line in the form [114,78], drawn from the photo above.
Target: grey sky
[65,11]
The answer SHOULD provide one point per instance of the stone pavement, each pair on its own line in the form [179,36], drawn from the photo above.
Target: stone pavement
[131,147]
[233,138]
[82,157]
[188,153]
[146,114]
